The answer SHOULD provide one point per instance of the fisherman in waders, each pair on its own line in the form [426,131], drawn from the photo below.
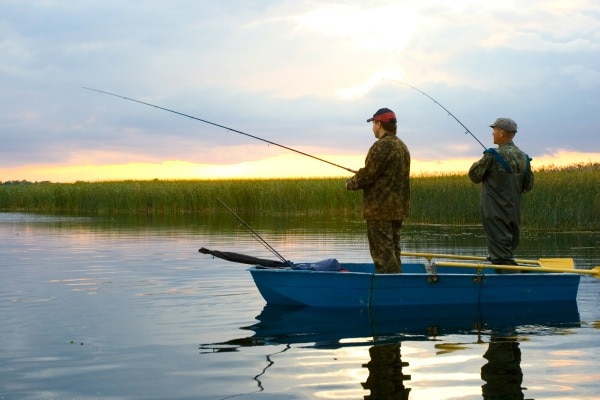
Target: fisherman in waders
[384,181]
[505,174]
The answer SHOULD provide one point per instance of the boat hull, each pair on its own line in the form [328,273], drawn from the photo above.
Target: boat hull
[360,287]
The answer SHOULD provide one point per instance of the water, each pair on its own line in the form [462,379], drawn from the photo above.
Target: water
[117,309]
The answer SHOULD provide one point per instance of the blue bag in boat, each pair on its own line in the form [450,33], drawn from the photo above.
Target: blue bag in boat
[330,264]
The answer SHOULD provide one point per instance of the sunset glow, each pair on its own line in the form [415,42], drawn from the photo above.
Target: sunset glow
[191,95]
[282,166]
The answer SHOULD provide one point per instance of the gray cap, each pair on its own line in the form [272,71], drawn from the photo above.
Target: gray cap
[505,123]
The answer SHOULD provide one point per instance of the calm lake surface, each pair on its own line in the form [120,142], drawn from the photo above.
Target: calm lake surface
[100,308]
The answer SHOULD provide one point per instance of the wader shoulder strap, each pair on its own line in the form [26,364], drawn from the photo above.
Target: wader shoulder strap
[499,158]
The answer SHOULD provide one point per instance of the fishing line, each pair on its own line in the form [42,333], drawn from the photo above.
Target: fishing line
[224,127]
[256,235]
[444,108]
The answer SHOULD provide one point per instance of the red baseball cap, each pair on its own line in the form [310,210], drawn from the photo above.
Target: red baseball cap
[384,115]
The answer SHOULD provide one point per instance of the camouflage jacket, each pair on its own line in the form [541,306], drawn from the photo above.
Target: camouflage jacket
[516,160]
[384,180]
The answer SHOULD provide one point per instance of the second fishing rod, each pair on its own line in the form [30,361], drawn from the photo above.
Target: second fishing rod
[222,126]
[467,131]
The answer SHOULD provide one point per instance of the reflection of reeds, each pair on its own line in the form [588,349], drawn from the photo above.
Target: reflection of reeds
[563,198]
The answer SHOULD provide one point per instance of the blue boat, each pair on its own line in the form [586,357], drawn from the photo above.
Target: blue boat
[357,285]
[331,284]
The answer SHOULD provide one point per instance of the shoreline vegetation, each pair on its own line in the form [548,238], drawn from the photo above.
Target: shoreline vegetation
[563,199]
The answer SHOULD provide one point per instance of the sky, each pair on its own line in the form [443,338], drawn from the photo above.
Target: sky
[304,74]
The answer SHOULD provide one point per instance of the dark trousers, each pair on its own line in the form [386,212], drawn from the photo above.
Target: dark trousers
[384,244]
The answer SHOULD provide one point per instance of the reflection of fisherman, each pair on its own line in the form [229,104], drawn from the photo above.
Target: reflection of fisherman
[386,380]
[505,174]
[502,372]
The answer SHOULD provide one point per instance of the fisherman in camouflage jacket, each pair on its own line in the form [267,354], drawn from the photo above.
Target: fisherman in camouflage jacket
[505,174]
[384,181]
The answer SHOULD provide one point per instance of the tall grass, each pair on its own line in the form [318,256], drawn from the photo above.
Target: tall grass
[171,197]
[562,199]
[447,199]
[565,198]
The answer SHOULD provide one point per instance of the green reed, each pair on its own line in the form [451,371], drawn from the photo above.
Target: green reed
[565,198]
[271,196]
[562,199]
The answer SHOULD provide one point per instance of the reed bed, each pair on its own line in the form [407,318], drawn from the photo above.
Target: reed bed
[562,199]
[270,196]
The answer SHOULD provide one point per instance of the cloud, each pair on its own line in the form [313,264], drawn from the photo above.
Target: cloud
[304,74]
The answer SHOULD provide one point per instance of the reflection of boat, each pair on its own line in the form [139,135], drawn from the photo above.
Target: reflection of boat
[326,327]
[383,330]
[357,286]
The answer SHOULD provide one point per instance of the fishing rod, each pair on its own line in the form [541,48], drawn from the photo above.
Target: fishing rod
[224,127]
[256,235]
[444,108]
